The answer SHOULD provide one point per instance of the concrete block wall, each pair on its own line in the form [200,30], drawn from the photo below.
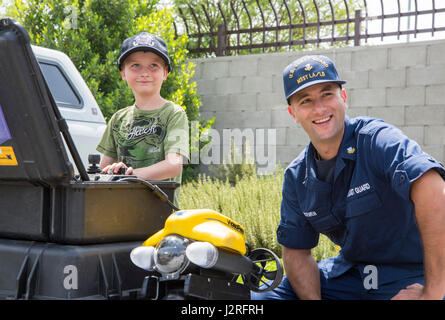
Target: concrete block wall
[403,84]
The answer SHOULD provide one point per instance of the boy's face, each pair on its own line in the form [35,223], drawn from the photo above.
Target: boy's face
[320,109]
[144,72]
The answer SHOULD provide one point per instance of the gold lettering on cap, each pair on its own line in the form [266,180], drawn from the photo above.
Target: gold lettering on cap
[320,61]
[310,76]
[303,78]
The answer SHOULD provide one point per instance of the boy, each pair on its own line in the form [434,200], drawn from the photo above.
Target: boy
[150,138]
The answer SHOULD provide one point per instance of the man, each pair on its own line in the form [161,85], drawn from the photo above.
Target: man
[366,186]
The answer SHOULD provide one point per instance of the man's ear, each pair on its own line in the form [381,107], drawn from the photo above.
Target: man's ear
[292,113]
[344,95]
[289,109]
[123,75]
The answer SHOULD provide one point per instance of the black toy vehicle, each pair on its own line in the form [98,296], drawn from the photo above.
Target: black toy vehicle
[70,236]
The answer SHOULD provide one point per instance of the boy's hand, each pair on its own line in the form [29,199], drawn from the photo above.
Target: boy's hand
[117,168]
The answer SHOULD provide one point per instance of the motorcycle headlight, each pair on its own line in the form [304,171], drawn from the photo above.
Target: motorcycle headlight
[143,257]
[170,254]
[203,254]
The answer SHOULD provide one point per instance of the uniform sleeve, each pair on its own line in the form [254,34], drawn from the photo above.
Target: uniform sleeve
[177,136]
[294,231]
[107,144]
[399,159]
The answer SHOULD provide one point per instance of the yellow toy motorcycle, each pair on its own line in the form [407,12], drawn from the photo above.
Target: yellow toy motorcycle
[202,254]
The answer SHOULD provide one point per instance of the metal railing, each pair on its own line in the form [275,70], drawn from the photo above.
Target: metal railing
[288,23]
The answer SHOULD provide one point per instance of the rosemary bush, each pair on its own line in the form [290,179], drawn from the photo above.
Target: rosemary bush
[253,201]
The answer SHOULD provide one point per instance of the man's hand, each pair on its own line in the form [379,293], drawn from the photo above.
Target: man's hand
[412,292]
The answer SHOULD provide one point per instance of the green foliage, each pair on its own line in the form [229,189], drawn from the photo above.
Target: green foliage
[91,32]
[253,201]
[6,8]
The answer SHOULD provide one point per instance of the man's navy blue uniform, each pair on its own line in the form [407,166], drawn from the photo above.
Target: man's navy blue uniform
[354,183]
[366,211]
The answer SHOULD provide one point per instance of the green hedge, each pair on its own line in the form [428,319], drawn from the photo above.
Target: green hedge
[253,201]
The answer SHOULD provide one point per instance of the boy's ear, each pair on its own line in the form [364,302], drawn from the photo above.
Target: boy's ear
[123,74]
[165,73]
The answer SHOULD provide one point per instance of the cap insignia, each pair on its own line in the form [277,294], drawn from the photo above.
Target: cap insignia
[144,40]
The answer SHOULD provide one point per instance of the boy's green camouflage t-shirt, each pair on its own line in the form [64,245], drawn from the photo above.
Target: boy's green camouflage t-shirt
[140,138]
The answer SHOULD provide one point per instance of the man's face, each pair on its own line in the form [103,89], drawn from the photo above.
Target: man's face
[144,72]
[320,109]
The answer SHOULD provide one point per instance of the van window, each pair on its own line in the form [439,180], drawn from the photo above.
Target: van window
[59,86]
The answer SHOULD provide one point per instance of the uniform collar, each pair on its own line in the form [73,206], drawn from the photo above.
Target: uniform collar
[348,146]
[347,150]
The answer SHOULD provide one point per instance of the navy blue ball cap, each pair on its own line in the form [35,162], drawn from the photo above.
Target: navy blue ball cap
[144,42]
[308,71]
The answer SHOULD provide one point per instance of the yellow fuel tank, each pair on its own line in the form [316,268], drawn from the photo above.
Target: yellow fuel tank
[203,225]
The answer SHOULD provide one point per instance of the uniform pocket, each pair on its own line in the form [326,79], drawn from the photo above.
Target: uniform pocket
[369,227]
[362,204]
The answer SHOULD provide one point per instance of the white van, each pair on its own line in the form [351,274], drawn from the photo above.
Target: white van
[74,99]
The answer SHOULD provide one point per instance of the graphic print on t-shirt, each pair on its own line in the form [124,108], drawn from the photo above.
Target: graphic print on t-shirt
[139,140]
